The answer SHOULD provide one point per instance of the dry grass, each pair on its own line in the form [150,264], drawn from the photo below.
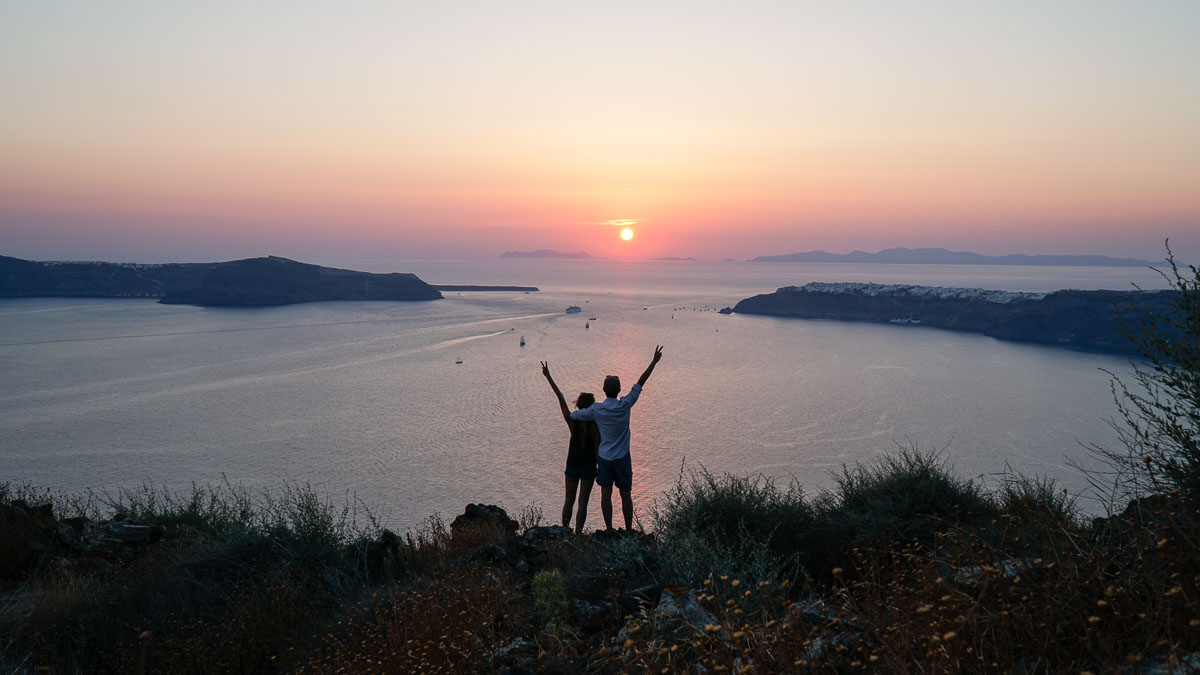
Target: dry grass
[1028,589]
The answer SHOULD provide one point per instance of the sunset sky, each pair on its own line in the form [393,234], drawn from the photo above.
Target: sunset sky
[161,131]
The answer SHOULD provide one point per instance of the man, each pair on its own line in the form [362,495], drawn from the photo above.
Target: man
[614,466]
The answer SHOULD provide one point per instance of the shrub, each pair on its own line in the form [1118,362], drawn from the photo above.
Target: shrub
[1037,501]
[549,595]
[1158,417]
[731,525]
[905,494]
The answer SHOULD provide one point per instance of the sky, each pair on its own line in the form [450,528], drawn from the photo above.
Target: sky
[157,131]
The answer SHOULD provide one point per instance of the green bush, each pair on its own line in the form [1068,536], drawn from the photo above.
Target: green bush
[1036,501]
[549,596]
[902,495]
[742,526]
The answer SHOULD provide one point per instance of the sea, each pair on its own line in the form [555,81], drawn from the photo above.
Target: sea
[414,409]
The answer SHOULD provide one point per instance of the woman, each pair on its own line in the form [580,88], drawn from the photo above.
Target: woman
[581,457]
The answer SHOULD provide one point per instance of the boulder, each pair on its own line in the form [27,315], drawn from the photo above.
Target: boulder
[385,557]
[27,535]
[488,516]
[676,618]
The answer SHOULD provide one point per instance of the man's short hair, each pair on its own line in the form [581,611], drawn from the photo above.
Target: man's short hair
[612,385]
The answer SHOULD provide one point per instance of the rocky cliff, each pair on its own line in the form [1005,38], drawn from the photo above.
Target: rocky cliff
[1087,320]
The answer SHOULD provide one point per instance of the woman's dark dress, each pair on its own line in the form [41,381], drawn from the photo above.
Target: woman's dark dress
[581,457]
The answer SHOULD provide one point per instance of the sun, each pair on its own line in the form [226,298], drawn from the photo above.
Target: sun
[627,234]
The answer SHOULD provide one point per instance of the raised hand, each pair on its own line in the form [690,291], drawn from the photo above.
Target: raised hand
[546,369]
[650,368]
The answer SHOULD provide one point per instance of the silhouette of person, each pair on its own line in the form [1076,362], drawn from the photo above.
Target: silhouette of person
[581,455]
[612,417]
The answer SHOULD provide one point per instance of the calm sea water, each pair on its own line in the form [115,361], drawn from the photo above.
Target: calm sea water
[365,399]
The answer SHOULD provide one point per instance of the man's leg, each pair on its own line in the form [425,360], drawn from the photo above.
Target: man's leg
[623,479]
[627,507]
[606,505]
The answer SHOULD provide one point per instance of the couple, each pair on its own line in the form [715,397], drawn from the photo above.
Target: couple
[600,429]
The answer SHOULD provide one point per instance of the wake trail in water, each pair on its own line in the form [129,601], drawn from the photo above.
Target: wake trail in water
[284,327]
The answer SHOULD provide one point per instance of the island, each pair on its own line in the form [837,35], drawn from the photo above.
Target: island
[1083,320]
[676,259]
[253,282]
[547,253]
[941,256]
[259,282]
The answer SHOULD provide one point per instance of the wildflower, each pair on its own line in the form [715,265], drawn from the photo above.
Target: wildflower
[950,635]
[712,628]
[1174,590]
[1162,543]
[945,598]
[628,643]
[924,608]
[1102,603]
[1093,619]
[1194,623]
[837,571]
[739,635]
[736,583]
[1110,591]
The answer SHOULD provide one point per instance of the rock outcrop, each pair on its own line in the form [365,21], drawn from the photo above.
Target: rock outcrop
[1085,320]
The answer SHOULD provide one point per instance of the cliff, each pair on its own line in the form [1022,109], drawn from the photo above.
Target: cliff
[1086,320]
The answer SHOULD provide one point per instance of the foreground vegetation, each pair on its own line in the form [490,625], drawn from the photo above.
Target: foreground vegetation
[901,566]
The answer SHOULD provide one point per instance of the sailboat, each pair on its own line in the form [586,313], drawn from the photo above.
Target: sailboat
[522,340]
[587,324]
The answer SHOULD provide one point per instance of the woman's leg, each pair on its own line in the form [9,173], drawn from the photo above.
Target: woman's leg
[569,500]
[585,491]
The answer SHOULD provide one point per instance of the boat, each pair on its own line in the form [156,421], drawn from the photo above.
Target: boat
[574,309]
[591,318]
[522,340]
[587,324]
[459,361]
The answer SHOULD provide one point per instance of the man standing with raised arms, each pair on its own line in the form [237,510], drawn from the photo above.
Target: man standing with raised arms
[615,465]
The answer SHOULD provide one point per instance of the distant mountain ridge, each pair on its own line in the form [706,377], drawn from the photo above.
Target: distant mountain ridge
[941,256]
[546,253]
[253,282]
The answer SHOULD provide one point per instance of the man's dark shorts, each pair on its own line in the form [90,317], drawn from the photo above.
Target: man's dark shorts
[585,472]
[617,471]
